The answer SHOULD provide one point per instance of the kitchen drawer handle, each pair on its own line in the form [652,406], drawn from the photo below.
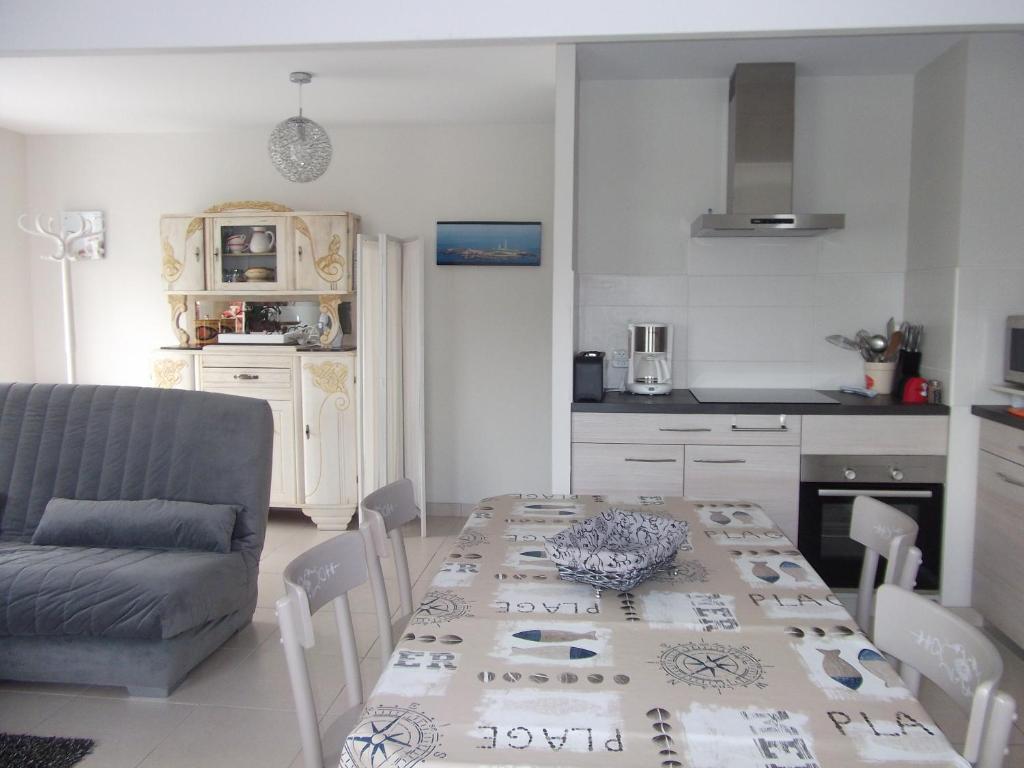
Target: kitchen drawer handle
[719,461]
[782,428]
[653,461]
[879,492]
[1007,479]
[684,429]
[246,376]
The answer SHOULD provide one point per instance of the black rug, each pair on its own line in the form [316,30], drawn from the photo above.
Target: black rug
[41,751]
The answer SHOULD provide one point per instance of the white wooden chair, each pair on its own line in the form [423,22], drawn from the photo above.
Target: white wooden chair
[321,575]
[385,511]
[885,532]
[929,640]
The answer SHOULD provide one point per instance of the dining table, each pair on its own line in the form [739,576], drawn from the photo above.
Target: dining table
[736,654]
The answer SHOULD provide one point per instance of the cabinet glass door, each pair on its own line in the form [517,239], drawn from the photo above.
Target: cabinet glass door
[249,253]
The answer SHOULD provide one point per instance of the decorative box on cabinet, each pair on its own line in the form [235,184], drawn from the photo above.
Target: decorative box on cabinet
[329,454]
[999,529]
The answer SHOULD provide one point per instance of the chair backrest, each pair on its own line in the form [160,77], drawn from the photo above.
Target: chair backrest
[885,532]
[385,511]
[322,575]
[947,650]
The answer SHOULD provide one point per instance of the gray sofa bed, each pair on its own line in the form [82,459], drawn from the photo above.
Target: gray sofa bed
[138,589]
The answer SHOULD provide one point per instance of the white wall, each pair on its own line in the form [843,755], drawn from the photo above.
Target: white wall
[16,363]
[746,312]
[488,341]
[965,254]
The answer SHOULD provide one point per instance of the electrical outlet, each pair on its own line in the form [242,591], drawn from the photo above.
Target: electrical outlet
[620,359]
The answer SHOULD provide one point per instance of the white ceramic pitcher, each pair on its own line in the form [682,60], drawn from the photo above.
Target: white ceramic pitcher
[261,240]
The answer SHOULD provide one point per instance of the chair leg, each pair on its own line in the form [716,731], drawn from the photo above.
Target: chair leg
[1001,717]
[302,691]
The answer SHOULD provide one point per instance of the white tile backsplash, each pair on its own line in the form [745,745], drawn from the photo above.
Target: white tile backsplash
[751,291]
[753,256]
[632,290]
[753,334]
[749,374]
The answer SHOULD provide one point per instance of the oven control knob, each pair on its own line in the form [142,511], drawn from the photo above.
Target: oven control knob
[896,474]
[849,474]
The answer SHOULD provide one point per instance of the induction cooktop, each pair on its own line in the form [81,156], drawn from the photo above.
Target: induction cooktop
[741,395]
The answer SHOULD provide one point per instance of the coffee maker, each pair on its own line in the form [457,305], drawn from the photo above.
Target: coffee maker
[650,359]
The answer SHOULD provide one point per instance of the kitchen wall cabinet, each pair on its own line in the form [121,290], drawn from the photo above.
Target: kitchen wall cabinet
[330,456]
[322,246]
[252,250]
[183,249]
[999,529]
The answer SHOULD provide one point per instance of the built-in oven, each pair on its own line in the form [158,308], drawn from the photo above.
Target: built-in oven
[828,486]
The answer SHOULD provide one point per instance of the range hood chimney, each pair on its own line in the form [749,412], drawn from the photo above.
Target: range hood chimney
[759,200]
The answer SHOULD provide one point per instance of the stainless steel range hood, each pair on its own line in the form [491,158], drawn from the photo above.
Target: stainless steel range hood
[760,181]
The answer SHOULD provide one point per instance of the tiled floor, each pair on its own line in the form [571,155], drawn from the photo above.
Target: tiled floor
[235,709]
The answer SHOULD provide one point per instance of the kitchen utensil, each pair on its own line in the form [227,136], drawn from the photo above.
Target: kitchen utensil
[261,241]
[878,343]
[259,274]
[893,350]
[843,342]
[879,376]
[890,327]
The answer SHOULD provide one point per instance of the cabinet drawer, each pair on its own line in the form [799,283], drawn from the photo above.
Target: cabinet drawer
[882,435]
[221,358]
[765,475]
[1003,441]
[686,428]
[247,377]
[629,470]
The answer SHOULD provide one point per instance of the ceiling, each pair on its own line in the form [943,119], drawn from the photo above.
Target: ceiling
[189,92]
[497,83]
[814,56]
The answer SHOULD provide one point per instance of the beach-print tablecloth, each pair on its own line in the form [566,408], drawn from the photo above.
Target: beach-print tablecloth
[739,656]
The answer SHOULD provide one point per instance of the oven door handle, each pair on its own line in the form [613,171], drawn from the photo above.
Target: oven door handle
[882,492]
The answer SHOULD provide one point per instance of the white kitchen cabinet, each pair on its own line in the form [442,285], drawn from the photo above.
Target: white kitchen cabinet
[283,492]
[329,447]
[622,469]
[183,249]
[767,475]
[322,247]
[684,428]
[250,253]
[999,529]
[875,435]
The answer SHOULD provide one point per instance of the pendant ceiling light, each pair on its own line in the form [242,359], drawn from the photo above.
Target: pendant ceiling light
[299,148]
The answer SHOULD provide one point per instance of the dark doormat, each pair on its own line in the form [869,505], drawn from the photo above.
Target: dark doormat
[22,751]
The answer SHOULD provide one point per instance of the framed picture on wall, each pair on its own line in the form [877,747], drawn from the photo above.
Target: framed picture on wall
[488,243]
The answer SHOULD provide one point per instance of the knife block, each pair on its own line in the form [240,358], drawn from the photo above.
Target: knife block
[907,367]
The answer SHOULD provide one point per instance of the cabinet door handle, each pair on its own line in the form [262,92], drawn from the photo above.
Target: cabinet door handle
[719,461]
[684,429]
[653,461]
[300,253]
[246,376]
[216,253]
[307,431]
[1007,479]
[197,253]
[781,428]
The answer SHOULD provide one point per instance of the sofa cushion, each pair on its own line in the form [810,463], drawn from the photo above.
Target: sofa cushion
[148,523]
[123,593]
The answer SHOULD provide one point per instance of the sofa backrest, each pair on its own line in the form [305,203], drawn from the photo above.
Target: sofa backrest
[107,442]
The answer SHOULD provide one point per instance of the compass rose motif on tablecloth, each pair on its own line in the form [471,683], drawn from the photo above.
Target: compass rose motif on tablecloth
[440,606]
[470,539]
[712,666]
[391,735]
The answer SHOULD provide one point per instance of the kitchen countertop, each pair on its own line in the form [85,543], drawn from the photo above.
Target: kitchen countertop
[997,413]
[682,401]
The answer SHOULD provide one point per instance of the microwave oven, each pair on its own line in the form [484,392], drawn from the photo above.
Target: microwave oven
[1014,372]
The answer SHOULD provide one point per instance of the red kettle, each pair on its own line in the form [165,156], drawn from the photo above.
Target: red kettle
[915,390]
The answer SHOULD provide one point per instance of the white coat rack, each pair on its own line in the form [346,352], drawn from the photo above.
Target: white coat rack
[77,237]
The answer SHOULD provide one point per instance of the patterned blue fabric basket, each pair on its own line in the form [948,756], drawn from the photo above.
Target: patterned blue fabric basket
[617,549]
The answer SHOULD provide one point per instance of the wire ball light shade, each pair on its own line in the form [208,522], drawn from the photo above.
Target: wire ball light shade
[299,148]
